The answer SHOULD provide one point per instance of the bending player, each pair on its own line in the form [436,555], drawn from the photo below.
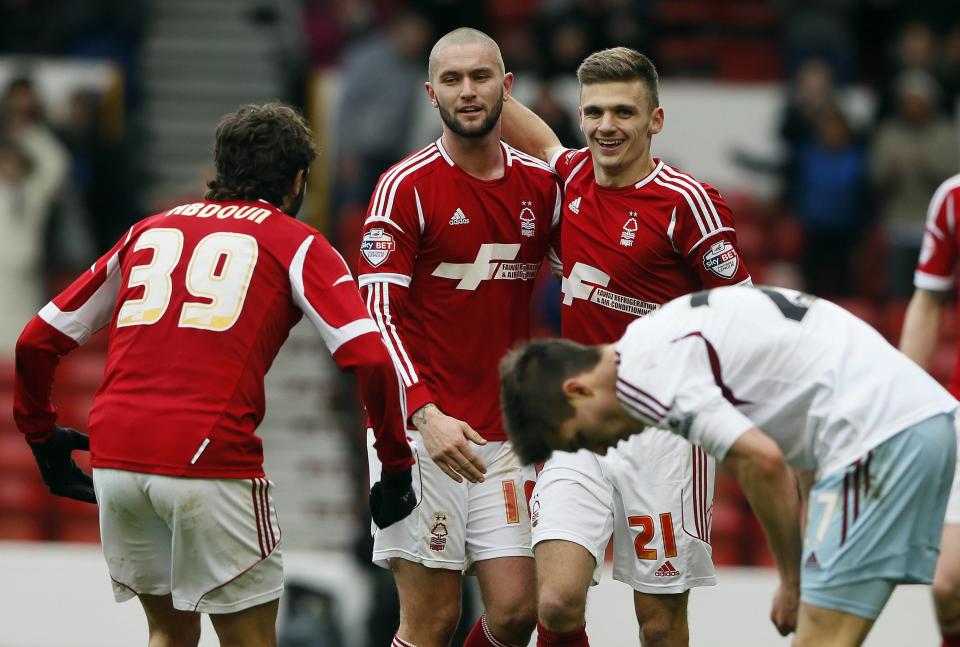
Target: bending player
[454,237]
[934,279]
[199,300]
[763,378]
[636,233]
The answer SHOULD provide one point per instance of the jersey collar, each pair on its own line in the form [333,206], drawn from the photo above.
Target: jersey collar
[654,173]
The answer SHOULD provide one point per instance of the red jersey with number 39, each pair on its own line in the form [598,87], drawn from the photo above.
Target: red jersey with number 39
[940,252]
[447,263]
[199,300]
[627,251]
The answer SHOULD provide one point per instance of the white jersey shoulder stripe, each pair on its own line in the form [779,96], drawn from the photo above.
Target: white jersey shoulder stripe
[698,189]
[574,172]
[944,193]
[387,185]
[333,337]
[686,196]
[706,209]
[384,277]
[443,152]
[94,314]
[532,161]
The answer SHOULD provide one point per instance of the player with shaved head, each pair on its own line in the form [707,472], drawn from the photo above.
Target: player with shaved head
[454,237]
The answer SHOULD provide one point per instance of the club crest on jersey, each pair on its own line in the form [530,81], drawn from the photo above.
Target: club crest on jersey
[722,259]
[528,220]
[438,534]
[376,246]
[629,231]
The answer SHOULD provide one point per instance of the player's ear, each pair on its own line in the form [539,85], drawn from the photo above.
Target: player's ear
[507,85]
[575,387]
[431,94]
[656,122]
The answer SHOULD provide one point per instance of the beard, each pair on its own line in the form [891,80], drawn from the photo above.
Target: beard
[482,130]
[293,204]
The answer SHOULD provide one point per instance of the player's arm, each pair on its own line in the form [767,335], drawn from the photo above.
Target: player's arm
[921,325]
[323,289]
[523,129]
[704,233]
[61,326]
[770,487]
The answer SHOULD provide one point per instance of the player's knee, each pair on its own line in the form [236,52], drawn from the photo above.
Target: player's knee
[438,624]
[561,610]
[513,623]
[946,596]
[181,635]
[660,632]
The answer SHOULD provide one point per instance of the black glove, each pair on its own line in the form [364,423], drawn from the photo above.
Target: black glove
[60,473]
[392,498]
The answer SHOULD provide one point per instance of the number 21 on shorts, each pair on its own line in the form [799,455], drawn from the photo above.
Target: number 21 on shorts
[219,271]
[647,531]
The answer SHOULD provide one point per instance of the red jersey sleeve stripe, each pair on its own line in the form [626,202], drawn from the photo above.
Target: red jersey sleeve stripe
[84,315]
[385,181]
[639,408]
[944,197]
[334,338]
[640,393]
[699,191]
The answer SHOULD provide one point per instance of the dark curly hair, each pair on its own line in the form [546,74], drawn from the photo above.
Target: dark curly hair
[258,151]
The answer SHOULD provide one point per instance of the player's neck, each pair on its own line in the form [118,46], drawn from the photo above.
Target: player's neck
[615,178]
[480,157]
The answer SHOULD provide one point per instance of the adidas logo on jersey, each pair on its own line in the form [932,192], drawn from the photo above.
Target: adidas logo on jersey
[459,218]
[812,562]
[667,570]
[575,205]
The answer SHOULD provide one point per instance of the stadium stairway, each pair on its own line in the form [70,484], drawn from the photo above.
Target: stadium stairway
[202,59]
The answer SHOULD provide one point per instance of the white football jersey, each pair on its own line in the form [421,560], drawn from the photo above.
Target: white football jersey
[822,383]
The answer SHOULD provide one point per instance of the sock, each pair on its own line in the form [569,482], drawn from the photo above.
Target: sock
[951,640]
[398,642]
[547,638]
[481,636]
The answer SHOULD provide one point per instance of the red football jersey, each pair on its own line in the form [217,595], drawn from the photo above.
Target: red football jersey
[626,251]
[936,270]
[447,263]
[199,300]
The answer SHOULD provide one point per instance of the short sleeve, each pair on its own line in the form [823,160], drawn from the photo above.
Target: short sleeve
[703,232]
[938,253]
[391,232]
[567,162]
[673,384]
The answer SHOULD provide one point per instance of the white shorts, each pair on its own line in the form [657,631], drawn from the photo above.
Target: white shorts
[653,493]
[457,524]
[213,544]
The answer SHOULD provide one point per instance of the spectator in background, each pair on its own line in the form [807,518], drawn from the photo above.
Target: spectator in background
[914,150]
[32,168]
[548,107]
[382,74]
[831,201]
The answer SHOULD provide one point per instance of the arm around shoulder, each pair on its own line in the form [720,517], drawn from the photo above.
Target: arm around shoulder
[523,129]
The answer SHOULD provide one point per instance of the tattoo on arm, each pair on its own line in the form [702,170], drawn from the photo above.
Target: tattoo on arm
[420,415]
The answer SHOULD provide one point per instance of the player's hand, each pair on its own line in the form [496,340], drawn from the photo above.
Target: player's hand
[448,442]
[392,498]
[786,601]
[57,468]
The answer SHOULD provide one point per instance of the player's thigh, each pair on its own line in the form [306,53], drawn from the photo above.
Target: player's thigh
[434,534]
[226,542]
[572,503]
[135,537]
[822,627]
[253,627]
[428,596]
[663,508]
[167,625]
[878,521]
[498,523]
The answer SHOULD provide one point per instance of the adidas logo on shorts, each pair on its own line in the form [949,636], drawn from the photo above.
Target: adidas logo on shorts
[812,561]
[459,218]
[667,570]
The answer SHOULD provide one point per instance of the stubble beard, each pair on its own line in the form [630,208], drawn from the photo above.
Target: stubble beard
[482,130]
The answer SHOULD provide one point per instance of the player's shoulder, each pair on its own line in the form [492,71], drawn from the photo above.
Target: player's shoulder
[413,167]
[528,163]
[948,191]
[686,188]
